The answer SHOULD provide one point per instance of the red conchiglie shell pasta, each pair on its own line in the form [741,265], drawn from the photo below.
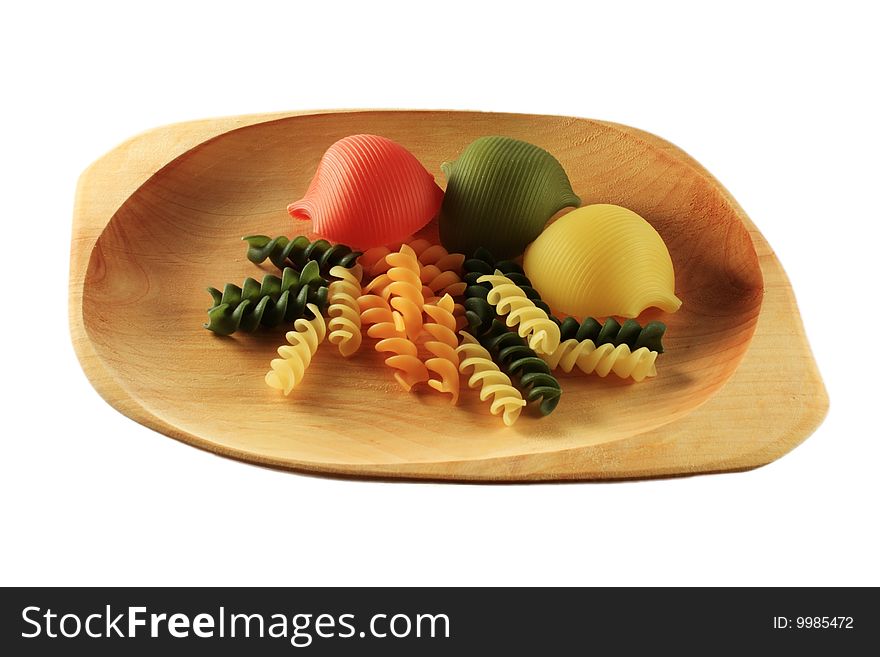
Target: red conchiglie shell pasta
[368,191]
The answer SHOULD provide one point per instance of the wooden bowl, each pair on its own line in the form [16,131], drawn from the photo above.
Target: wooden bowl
[161,217]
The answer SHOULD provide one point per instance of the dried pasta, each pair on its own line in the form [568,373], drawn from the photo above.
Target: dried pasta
[479,313]
[373,260]
[288,370]
[411,370]
[443,346]
[388,326]
[531,374]
[368,191]
[283,252]
[604,359]
[377,315]
[531,321]
[500,194]
[271,303]
[602,260]
[494,383]
[344,312]
[405,289]
[429,253]
[630,333]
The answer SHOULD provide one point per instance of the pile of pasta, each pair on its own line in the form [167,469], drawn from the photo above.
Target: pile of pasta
[443,317]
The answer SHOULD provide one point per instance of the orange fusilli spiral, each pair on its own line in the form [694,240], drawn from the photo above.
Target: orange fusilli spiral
[445,362]
[405,289]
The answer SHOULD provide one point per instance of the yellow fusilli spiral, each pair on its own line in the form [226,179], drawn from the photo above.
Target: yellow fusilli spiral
[405,289]
[289,370]
[344,312]
[494,382]
[429,253]
[534,324]
[445,361]
[603,360]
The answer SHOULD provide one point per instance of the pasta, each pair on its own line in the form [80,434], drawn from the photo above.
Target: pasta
[376,314]
[388,325]
[368,191]
[439,282]
[295,253]
[273,302]
[494,383]
[344,312]
[405,289]
[603,359]
[438,270]
[443,345]
[479,312]
[531,321]
[429,253]
[602,260]
[411,370]
[288,370]
[500,194]
[630,333]
[533,375]
[373,260]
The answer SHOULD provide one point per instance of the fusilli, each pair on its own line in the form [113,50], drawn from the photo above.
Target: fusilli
[288,371]
[484,372]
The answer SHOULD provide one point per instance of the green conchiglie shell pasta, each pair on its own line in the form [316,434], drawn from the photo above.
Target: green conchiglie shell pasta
[500,194]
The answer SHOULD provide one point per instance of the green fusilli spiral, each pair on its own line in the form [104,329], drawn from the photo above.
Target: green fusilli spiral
[478,311]
[299,251]
[271,303]
[529,372]
[630,333]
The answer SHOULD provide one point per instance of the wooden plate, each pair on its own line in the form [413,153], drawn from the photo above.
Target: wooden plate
[160,218]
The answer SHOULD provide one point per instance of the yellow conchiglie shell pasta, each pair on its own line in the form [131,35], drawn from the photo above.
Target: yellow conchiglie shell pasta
[602,260]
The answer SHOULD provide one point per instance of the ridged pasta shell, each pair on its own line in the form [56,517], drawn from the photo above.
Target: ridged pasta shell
[602,260]
[501,192]
[368,191]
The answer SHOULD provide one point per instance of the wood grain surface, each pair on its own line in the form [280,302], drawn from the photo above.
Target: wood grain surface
[160,218]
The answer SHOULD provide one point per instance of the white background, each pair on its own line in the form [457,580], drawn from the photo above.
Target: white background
[776,100]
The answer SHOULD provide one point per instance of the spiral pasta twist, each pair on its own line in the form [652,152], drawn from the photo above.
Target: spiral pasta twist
[439,282]
[376,313]
[429,253]
[283,252]
[344,312]
[479,313]
[388,325]
[405,358]
[533,375]
[604,359]
[288,370]
[373,260]
[405,289]
[482,262]
[443,347]
[484,372]
[630,333]
[270,303]
[531,321]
